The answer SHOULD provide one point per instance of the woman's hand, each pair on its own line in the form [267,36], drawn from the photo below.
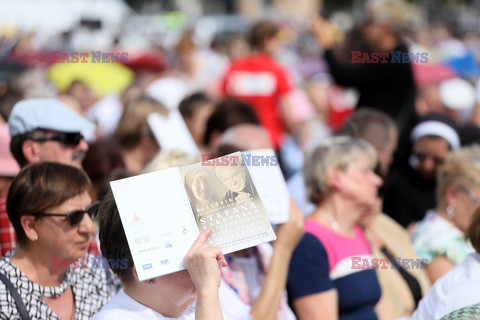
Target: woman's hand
[204,263]
[290,233]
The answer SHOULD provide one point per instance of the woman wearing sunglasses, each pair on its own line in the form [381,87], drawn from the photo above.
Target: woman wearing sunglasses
[51,211]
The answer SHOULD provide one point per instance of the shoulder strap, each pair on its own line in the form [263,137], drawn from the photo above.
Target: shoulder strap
[18,300]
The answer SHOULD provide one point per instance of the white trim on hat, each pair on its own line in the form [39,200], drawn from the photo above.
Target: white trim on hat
[436,128]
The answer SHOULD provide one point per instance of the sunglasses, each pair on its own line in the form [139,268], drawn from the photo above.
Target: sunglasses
[70,139]
[75,217]
[423,156]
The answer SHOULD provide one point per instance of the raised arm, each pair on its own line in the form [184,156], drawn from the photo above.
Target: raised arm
[288,234]
[204,262]
[309,285]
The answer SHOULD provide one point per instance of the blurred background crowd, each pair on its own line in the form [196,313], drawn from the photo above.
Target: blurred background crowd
[252,74]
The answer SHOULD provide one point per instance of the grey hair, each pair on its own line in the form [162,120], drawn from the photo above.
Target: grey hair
[337,152]
[233,137]
[371,125]
[168,159]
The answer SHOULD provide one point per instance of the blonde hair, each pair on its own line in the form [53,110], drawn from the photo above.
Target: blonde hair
[337,152]
[133,125]
[461,168]
[168,159]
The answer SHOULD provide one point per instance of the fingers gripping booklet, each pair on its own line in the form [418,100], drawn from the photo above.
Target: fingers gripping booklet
[163,212]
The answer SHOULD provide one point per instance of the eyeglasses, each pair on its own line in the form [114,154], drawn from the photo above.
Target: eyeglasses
[75,217]
[70,139]
[423,156]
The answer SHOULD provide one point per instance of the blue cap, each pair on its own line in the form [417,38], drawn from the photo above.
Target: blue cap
[49,114]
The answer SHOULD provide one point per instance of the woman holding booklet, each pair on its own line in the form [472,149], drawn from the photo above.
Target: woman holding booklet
[187,294]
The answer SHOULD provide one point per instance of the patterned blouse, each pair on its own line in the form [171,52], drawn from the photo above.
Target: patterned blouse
[92,289]
[467,313]
[434,236]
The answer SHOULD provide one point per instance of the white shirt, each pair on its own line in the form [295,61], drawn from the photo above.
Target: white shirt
[457,289]
[232,305]
[106,114]
[123,307]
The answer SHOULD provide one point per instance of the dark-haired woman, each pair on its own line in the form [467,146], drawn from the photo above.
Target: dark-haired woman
[51,211]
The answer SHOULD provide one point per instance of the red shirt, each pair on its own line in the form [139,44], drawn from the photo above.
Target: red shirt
[7,233]
[260,81]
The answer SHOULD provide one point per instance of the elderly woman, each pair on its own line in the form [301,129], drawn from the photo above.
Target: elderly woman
[459,287]
[439,237]
[187,294]
[51,212]
[328,276]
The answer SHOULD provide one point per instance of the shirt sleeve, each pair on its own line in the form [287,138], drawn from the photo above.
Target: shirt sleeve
[309,269]
[284,84]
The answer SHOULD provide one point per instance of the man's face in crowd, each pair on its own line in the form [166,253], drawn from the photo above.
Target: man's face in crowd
[66,148]
[233,177]
[430,153]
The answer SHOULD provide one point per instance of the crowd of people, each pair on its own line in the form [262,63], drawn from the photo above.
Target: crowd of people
[380,159]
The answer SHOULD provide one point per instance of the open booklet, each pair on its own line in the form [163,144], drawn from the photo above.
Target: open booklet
[163,212]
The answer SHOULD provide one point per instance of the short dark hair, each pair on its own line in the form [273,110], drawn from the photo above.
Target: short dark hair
[102,158]
[42,186]
[189,104]
[228,113]
[474,231]
[113,241]
[260,33]
[16,144]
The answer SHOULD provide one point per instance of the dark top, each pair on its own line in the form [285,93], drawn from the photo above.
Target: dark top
[408,196]
[358,290]
[388,87]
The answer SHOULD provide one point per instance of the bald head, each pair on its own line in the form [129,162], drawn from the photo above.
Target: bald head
[246,137]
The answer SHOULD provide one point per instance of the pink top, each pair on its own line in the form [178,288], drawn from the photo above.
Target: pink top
[338,247]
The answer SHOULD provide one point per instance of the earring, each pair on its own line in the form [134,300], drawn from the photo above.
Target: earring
[151,282]
[36,238]
[450,213]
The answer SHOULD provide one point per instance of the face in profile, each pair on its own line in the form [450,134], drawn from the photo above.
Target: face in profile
[201,187]
[234,178]
[360,183]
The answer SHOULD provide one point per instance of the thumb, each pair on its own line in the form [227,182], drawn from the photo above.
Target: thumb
[201,239]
